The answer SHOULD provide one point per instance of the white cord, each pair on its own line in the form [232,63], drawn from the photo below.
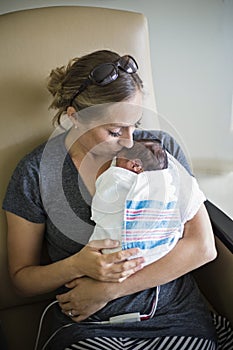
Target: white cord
[154,307]
[40,324]
[115,319]
[53,335]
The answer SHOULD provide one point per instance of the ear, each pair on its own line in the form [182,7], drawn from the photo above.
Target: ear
[71,112]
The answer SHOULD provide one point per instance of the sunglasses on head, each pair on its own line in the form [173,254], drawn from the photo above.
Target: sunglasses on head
[106,73]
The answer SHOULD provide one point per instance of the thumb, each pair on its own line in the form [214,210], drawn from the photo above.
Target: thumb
[104,243]
[72,283]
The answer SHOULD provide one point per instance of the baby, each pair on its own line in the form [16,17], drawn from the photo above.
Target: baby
[143,200]
[142,156]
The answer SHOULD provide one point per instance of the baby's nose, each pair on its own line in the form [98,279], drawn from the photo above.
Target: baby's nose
[137,162]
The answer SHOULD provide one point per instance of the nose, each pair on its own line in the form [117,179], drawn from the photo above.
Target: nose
[126,139]
[137,162]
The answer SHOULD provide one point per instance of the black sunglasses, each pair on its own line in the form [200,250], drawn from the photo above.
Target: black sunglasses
[106,73]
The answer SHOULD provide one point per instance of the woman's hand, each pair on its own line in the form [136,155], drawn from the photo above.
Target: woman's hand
[86,297]
[193,250]
[114,267]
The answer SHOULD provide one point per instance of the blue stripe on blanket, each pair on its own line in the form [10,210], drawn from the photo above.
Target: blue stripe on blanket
[131,204]
[151,215]
[147,244]
[150,225]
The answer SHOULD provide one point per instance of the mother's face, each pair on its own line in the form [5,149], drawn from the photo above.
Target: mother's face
[111,132]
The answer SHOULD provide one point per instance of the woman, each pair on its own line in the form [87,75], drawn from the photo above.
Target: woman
[49,197]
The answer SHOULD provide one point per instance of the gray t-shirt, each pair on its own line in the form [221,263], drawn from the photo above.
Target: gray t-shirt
[46,188]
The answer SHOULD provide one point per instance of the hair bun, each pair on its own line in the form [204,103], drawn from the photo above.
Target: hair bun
[55,81]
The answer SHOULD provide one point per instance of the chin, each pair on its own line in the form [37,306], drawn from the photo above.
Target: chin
[114,152]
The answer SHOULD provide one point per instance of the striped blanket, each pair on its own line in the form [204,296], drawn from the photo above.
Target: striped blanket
[146,210]
[151,225]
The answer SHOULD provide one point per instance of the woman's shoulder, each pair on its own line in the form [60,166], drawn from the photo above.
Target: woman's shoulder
[33,158]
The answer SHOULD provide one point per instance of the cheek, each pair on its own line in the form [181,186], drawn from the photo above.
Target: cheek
[103,142]
[99,137]
[129,164]
[107,140]
[106,145]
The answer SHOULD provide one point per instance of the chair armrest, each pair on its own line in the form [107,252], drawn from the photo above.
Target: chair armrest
[222,225]
[215,278]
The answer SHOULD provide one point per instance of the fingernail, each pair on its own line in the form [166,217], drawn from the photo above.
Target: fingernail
[139,267]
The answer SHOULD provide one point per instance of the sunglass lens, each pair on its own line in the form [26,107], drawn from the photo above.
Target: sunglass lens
[128,64]
[104,74]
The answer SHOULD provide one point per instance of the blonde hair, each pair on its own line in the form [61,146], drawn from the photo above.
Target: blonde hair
[64,82]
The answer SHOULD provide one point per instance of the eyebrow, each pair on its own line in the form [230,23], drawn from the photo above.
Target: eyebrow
[116,125]
[124,125]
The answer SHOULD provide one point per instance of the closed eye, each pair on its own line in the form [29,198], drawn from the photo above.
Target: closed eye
[138,123]
[115,134]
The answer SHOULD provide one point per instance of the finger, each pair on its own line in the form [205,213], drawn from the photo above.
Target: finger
[104,243]
[120,272]
[71,284]
[70,313]
[80,318]
[129,271]
[65,308]
[63,298]
[133,253]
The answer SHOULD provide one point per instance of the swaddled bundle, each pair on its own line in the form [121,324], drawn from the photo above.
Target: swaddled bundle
[144,209]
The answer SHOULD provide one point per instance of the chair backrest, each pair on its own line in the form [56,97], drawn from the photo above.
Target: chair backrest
[32,43]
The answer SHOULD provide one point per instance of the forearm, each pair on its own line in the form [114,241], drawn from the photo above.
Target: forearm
[195,249]
[30,278]
[87,296]
[34,280]
[161,271]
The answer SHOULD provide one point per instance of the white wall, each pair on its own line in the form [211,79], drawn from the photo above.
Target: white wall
[192,56]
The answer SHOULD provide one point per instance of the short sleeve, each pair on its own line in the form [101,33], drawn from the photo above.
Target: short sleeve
[190,196]
[23,192]
[194,202]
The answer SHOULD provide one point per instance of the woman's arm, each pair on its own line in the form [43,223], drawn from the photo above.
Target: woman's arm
[196,248]
[25,241]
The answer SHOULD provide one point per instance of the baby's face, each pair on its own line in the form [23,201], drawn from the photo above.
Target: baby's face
[134,165]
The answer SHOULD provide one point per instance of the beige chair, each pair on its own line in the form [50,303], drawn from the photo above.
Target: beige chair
[32,43]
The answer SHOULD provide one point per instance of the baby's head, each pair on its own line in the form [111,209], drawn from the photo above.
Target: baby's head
[134,165]
[142,156]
